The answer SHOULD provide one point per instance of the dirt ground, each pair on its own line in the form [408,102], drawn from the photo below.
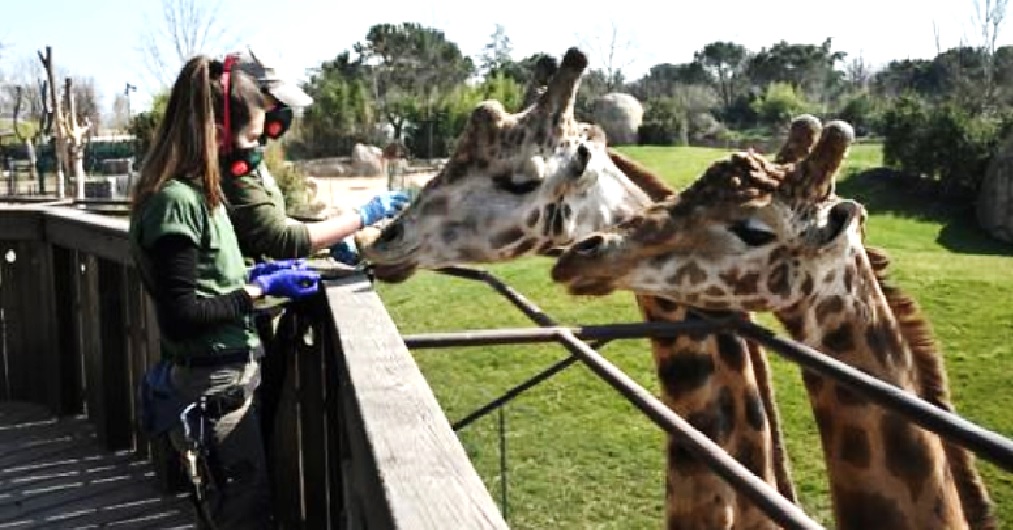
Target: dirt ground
[350,192]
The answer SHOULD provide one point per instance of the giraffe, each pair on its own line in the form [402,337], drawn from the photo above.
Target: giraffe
[752,235]
[524,184]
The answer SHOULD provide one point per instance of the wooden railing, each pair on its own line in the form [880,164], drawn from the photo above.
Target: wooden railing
[358,439]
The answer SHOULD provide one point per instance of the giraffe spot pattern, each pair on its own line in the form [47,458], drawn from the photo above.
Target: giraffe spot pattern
[524,247]
[849,279]
[808,285]
[533,217]
[840,340]
[713,291]
[849,397]
[853,446]
[690,271]
[550,213]
[777,282]
[732,351]
[877,342]
[813,381]
[436,206]
[726,412]
[506,237]
[906,452]
[755,415]
[750,456]
[685,372]
[828,306]
[862,510]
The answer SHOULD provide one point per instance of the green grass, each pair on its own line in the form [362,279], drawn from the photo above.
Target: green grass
[579,456]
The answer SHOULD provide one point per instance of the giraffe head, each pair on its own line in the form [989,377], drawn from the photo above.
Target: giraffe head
[516,184]
[749,235]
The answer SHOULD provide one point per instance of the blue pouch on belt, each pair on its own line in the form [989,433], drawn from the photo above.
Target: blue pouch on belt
[160,403]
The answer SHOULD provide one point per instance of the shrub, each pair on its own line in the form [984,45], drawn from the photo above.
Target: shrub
[944,144]
[779,104]
[289,178]
[664,123]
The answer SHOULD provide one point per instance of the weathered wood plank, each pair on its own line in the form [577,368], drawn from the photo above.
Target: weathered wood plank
[14,259]
[54,474]
[90,345]
[99,235]
[21,223]
[286,458]
[115,431]
[67,303]
[313,417]
[424,474]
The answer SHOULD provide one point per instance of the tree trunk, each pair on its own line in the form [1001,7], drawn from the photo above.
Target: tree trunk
[75,138]
[32,160]
[61,142]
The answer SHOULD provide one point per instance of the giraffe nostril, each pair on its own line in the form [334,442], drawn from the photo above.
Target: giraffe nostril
[392,233]
[589,245]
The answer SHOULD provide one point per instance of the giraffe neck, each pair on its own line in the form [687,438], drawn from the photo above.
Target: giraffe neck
[884,471]
[709,380]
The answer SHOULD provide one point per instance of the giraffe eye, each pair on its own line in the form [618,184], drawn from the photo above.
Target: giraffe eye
[752,232]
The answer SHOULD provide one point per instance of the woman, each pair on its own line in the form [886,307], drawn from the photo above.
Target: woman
[256,204]
[187,254]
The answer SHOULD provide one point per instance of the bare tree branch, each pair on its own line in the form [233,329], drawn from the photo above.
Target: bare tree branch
[614,53]
[185,28]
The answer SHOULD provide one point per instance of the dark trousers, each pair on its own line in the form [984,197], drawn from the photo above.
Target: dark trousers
[243,498]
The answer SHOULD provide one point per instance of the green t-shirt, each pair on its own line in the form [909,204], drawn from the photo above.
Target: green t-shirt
[256,206]
[180,209]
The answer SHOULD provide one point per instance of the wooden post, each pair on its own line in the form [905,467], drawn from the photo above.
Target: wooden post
[61,142]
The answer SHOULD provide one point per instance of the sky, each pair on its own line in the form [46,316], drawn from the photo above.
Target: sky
[102,38]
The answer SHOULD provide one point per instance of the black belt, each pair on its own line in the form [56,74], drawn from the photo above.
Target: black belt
[221,357]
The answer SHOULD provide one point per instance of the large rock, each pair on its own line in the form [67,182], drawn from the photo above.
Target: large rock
[995,202]
[620,115]
[367,160]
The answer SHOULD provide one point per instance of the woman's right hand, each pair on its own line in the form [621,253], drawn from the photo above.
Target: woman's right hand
[383,205]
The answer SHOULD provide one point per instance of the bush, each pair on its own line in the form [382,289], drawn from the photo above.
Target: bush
[779,104]
[664,123]
[291,181]
[944,144]
[862,112]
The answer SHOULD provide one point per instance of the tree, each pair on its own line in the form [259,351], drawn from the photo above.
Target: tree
[724,61]
[497,52]
[411,65]
[989,17]
[613,53]
[809,69]
[186,28]
[662,80]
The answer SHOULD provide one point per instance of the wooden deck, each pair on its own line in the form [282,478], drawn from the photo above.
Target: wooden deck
[54,474]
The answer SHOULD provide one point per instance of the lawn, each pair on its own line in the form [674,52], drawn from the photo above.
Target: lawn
[579,456]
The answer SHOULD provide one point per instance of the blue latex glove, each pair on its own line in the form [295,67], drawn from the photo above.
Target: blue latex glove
[268,267]
[383,205]
[290,283]
[345,252]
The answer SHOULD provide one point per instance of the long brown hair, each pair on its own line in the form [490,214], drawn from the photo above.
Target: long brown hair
[185,146]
